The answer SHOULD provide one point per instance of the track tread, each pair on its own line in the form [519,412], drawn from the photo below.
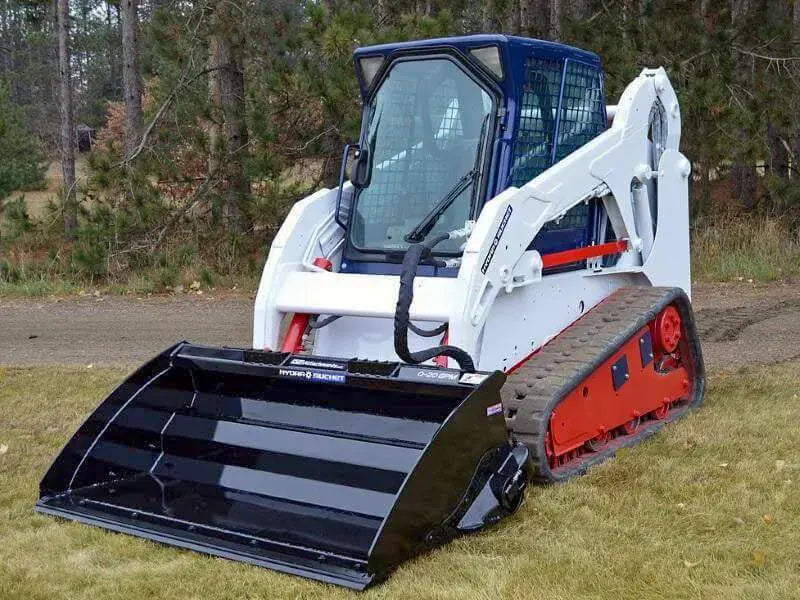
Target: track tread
[534,389]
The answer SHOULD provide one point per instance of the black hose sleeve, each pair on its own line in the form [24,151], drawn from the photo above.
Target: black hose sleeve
[428,332]
[315,323]
[411,260]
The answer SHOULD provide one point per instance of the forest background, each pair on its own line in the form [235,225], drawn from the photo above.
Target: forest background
[207,119]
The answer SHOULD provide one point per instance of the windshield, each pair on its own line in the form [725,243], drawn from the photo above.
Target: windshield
[424,134]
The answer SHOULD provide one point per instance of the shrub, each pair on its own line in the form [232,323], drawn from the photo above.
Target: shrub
[21,159]
[736,247]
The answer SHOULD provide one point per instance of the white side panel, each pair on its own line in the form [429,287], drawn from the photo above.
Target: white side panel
[527,318]
[366,295]
[364,337]
[308,231]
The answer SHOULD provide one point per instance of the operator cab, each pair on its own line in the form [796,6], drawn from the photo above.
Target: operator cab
[448,124]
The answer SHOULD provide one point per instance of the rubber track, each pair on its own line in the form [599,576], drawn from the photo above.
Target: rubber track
[532,391]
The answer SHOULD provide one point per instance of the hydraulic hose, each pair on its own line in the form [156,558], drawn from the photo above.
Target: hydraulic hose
[413,256]
[428,332]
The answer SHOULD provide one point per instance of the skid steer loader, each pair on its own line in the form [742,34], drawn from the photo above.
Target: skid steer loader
[499,295]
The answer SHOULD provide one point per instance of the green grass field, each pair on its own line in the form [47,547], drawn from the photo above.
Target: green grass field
[708,509]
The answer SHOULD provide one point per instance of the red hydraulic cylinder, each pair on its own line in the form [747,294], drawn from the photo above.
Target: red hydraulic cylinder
[293,341]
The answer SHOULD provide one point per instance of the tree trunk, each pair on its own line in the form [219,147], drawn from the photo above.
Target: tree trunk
[779,157]
[796,41]
[744,184]
[131,79]
[80,54]
[511,17]
[578,10]
[555,20]
[215,102]
[705,195]
[7,43]
[743,172]
[488,16]
[235,112]
[67,146]
[525,17]
[227,99]
[381,12]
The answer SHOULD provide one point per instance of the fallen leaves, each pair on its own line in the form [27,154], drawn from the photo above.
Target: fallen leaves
[780,465]
[768,519]
[3,448]
[738,520]
[759,558]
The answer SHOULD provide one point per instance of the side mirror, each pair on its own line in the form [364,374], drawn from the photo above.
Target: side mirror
[342,212]
[362,169]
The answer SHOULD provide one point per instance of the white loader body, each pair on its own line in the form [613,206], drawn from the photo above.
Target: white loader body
[500,308]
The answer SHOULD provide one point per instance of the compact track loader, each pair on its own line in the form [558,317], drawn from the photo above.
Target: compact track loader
[499,295]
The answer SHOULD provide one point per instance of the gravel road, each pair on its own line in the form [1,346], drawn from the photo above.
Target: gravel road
[740,324]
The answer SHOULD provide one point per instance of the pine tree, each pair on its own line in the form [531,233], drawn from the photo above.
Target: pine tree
[131,76]
[21,157]
[67,129]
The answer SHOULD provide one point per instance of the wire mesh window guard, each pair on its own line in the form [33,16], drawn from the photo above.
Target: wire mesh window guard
[424,133]
[537,118]
[543,138]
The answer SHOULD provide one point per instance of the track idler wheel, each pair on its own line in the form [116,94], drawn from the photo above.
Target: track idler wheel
[667,329]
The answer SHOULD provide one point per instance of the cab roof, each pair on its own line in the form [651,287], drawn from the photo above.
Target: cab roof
[514,51]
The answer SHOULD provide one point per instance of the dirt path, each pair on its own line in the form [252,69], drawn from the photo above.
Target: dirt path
[739,323]
[116,330]
[743,324]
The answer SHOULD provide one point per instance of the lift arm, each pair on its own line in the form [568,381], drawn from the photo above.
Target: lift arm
[497,258]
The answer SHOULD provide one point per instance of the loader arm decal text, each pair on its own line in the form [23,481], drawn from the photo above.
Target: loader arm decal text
[496,241]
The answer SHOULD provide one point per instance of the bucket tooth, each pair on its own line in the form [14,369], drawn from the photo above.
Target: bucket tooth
[336,471]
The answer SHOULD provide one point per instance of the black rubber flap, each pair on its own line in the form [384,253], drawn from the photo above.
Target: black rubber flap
[212,450]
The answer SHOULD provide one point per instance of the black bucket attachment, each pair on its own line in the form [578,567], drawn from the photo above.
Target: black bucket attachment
[331,469]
